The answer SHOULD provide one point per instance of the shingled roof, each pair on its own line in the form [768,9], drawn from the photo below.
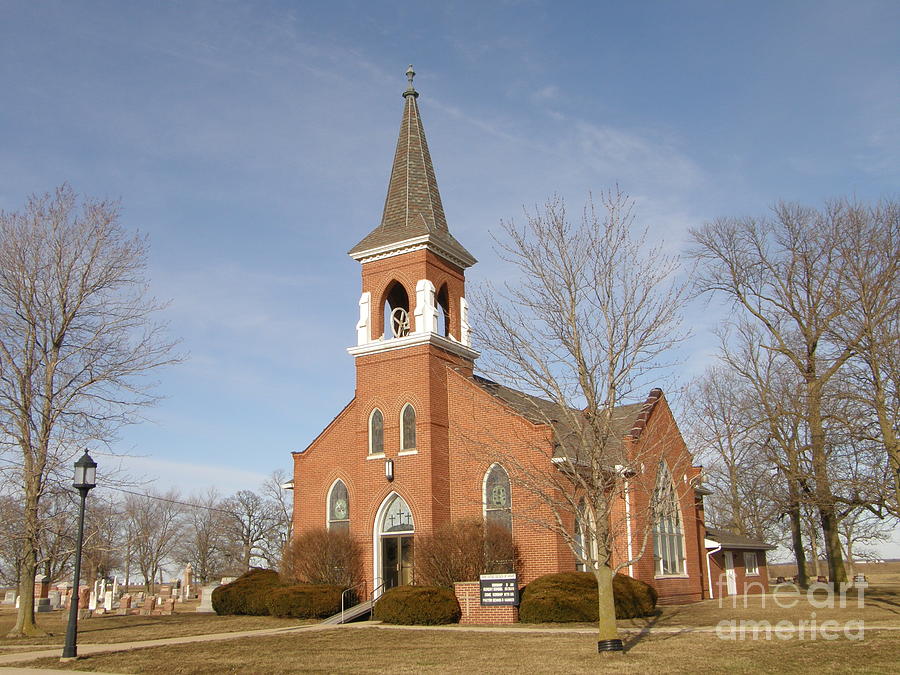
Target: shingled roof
[730,540]
[413,208]
[627,420]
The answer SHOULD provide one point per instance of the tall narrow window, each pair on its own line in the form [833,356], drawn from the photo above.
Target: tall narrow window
[668,534]
[497,501]
[338,507]
[408,428]
[443,308]
[376,432]
[751,567]
[585,540]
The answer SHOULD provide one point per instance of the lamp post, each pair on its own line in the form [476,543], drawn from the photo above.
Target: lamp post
[85,479]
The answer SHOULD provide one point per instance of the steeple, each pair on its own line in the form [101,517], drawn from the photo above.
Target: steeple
[413,213]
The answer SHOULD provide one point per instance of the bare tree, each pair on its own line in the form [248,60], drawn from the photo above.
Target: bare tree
[788,274]
[77,340]
[281,501]
[592,313]
[154,523]
[203,541]
[251,523]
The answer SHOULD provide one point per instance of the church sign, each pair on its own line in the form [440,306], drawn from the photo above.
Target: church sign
[499,589]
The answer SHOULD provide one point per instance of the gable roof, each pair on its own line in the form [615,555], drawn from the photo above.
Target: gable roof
[627,420]
[413,208]
[730,540]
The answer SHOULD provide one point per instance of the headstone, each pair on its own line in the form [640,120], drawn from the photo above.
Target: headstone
[41,586]
[116,586]
[55,599]
[102,591]
[187,578]
[125,602]
[108,601]
[17,602]
[92,601]
[42,605]
[205,606]
[10,598]
[165,590]
[84,597]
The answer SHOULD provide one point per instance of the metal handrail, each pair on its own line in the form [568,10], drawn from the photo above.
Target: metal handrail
[347,590]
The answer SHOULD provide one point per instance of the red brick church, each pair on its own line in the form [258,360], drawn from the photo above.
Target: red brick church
[396,461]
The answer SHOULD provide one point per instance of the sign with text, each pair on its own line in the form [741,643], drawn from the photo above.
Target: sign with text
[499,589]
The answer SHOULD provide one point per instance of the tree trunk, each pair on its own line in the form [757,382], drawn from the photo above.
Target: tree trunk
[797,534]
[824,497]
[25,625]
[606,606]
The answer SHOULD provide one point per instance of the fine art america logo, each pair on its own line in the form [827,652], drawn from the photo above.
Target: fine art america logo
[804,626]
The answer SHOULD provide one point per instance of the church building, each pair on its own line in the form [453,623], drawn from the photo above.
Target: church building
[396,462]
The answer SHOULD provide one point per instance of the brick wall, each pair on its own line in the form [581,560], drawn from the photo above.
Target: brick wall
[468,593]
[747,584]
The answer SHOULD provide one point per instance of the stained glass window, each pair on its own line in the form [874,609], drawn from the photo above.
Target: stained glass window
[376,432]
[338,507]
[408,431]
[397,517]
[668,535]
[497,501]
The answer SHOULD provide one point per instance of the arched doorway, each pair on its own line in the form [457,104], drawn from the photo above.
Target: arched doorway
[394,530]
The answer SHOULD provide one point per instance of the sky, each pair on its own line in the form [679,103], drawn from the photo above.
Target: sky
[252,143]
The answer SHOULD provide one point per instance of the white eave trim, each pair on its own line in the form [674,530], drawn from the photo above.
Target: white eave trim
[413,340]
[407,245]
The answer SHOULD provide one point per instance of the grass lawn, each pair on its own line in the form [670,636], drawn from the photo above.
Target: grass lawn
[112,628]
[372,649]
[669,647]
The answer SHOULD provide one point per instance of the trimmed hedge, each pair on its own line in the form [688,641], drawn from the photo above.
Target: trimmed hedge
[572,596]
[305,601]
[418,606]
[247,594]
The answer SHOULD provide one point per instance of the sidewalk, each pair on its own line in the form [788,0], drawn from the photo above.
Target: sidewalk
[88,649]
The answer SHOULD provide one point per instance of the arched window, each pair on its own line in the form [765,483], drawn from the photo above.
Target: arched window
[338,507]
[585,540]
[408,428]
[443,308]
[668,533]
[497,501]
[396,312]
[376,432]
[397,517]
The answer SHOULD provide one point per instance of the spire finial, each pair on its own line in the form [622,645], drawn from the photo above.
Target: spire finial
[410,90]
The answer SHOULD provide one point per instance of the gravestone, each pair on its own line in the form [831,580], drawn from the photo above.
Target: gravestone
[10,598]
[187,578]
[108,601]
[55,599]
[84,597]
[92,601]
[205,606]
[41,586]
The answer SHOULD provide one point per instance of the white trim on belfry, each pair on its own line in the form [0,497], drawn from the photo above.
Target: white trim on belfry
[413,340]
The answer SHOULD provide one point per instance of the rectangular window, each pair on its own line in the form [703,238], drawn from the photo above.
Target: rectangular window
[750,566]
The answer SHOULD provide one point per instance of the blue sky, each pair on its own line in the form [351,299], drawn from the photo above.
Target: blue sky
[253,142]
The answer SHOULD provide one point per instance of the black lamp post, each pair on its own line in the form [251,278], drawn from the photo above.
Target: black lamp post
[85,479]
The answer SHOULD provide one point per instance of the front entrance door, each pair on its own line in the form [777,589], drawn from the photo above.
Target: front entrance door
[396,561]
[730,580]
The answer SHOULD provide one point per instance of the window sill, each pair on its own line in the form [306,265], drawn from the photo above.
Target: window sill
[377,455]
[404,453]
[671,576]
[751,574]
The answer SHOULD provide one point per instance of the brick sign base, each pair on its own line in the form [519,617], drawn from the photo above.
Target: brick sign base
[473,612]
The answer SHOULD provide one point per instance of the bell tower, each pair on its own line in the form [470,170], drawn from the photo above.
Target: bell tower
[413,269]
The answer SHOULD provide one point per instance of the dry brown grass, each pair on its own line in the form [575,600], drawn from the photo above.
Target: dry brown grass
[112,628]
[370,649]
[878,573]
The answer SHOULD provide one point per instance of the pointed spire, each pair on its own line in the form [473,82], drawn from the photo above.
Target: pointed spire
[413,208]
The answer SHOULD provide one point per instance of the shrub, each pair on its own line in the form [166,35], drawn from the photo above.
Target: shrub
[328,557]
[462,550]
[305,601]
[247,594]
[572,596]
[418,606]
